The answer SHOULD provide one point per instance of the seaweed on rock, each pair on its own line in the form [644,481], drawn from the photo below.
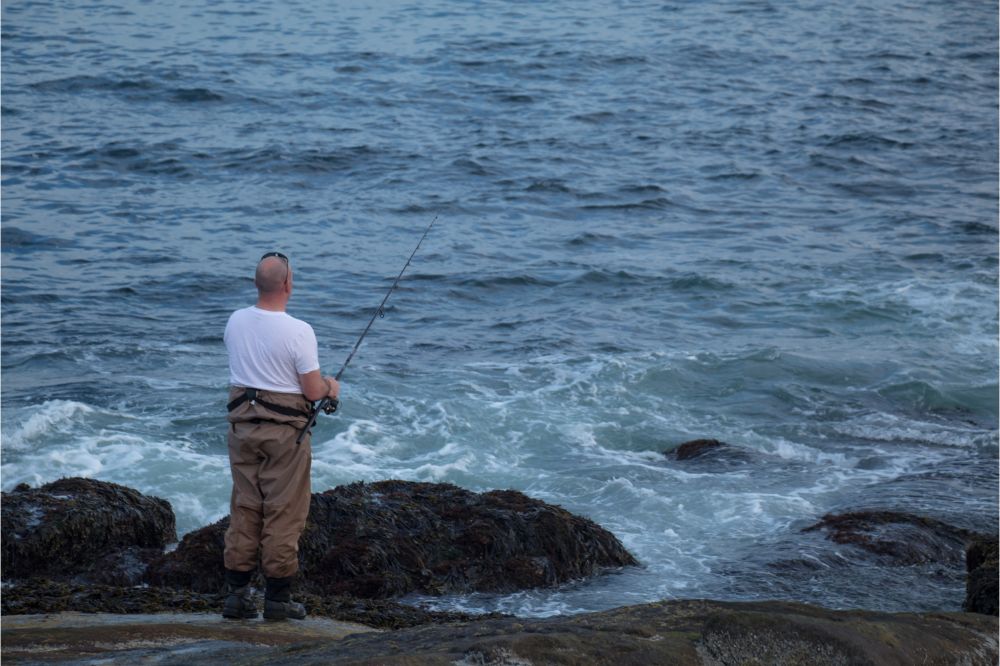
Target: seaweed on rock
[82,527]
[39,595]
[899,538]
[982,587]
[390,538]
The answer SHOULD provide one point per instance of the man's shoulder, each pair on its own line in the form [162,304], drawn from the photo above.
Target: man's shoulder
[254,316]
[239,316]
[290,324]
[298,324]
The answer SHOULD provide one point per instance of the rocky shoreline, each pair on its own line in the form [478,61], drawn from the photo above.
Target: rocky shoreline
[82,546]
[674,632]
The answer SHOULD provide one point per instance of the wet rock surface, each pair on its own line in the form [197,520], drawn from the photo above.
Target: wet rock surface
[146,638]
[84,528]
[711,454]
[40,596]
[982,587]
[897,538]
[391,538]
[676,632]
[367,542]
[696,448]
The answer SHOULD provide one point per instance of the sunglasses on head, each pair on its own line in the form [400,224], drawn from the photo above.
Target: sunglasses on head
[275,254]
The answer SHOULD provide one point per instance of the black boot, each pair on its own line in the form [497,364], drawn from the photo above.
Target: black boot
[278,604]
[240,603]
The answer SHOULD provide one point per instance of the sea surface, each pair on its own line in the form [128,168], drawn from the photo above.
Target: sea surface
[769,223]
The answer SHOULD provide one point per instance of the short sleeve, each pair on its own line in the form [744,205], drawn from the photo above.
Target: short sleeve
[306,353]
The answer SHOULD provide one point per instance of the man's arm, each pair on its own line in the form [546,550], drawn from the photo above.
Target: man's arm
[316,387]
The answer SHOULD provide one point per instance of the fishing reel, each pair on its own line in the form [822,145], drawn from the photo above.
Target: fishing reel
[330,406]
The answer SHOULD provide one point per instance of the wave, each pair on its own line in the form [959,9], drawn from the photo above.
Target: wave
[471,167]
[979,228]
[862,102]
[864,140]
[737,175]
[171,158]
[591,238]
[847,163]
[64,438]
[515,98]
[588,277]
[549,185]
[312,160]
[16,239]
[506,281]
[923,396]
[52,417]
[892,428]
[76,84]
[641,189]
[137,89]
[659,203]
[195,95]
[594,118]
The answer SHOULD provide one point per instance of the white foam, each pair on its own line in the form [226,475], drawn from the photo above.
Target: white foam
[890,428]
[65,439]
[53,416]
[441,472]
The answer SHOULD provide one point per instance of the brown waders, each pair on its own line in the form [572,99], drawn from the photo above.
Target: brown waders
[270,498]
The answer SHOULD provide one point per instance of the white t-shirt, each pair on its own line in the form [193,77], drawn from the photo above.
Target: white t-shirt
[269,350]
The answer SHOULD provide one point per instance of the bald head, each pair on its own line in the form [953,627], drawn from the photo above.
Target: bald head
[271,275]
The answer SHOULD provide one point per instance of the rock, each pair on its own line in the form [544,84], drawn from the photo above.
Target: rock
[679,632]
[104,639]
[391,538]
[717,456]
[898,538]
[39,596]
[82,528]
[674,632]
[981,587]
[196,563]
[695,448]
[121,567]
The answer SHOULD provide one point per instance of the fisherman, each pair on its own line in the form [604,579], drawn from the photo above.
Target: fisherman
[274,377]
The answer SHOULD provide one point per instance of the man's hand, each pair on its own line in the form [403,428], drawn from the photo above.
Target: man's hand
[316,387]
[334,388]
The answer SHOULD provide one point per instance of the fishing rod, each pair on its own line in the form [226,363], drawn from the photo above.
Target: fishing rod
[330,405]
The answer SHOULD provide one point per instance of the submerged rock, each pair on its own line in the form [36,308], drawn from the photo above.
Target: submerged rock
[715,455]
[84,528]
[391,538]
[982,587]
[696,448]
[898,538]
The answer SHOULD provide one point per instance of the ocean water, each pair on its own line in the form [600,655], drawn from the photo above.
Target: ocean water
[771,223]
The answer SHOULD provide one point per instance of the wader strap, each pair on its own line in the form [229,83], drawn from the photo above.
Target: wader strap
[251,395]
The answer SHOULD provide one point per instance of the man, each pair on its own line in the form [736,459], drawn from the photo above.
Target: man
[274,377]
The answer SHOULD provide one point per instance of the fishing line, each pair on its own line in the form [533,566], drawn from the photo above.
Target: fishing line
[330,405]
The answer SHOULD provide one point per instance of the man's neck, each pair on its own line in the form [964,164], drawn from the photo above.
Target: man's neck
[271,305]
